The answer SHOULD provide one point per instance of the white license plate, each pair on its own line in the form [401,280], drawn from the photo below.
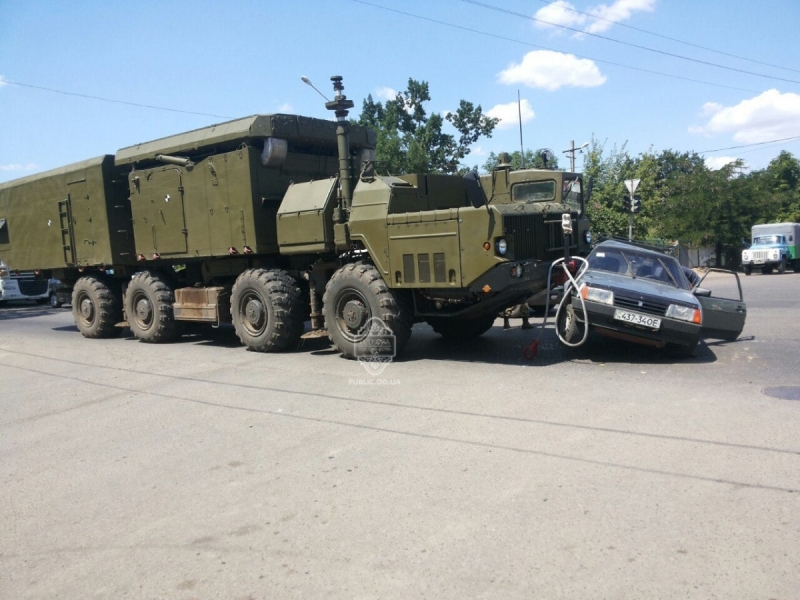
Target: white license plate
[637,319]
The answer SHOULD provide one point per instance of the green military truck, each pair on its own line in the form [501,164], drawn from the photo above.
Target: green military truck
[273,220]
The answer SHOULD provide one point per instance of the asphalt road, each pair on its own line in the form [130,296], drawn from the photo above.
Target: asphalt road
[200,470]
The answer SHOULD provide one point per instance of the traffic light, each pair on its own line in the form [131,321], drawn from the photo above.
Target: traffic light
[636,204]
[626,203]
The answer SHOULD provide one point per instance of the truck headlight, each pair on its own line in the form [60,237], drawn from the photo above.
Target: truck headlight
[684,313]
[746,255]
[597,295]
[502,246]
[773,255]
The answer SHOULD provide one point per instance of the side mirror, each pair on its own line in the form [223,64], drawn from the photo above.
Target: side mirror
[702,292]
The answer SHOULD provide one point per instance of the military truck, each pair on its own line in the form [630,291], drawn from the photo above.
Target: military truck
[774,246]
[272,220]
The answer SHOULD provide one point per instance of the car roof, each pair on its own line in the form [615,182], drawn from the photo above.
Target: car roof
[615,245]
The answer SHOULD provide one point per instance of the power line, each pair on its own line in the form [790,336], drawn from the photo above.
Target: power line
[797,137]
[630,44]
[176,110]
[671,39]
[532,45]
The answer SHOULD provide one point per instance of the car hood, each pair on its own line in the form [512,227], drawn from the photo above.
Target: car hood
[640,286]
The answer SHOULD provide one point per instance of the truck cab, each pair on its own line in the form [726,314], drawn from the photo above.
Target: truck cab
[774,246]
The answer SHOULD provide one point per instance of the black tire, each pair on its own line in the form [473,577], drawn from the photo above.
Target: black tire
[782,266]
[267,310]
[748,270]
[54,302]
[460,330]
[568,325]
[355,294]
[96,308]
[148,307]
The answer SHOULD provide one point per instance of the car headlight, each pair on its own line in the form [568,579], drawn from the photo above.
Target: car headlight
[588,237]
[502,246]
[597,295]
[684,313]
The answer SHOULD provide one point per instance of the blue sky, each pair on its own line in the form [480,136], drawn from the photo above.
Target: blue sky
[237,58]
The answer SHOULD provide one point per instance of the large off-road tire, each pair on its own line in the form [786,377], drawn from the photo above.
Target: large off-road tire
[148,307]
[568,325]
[748,270]
[267,310]
[460,330]
[782,266]
[354,296]
[96,308]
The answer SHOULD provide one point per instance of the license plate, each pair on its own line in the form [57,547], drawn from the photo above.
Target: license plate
[637,319]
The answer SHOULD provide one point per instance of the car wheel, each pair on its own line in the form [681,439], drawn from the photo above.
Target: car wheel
[568,325]
[54,300]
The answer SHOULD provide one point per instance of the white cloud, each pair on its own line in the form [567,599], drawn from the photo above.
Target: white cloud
[559,13]
[509,114]
[600,18]
[768,116]
[478,151]
[2,81]
[619,11]
[717,162]
[386,93]
[550,70]
[19,167]
[285,108]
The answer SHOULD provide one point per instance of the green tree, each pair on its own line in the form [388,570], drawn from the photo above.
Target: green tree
[411,141]
[534,159]
[782,179]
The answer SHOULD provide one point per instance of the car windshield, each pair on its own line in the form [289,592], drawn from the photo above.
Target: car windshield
[572,194]
[767,239]
[632,263]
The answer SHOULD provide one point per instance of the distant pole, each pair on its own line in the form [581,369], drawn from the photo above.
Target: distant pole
[521,147]
[571,151]
[630,227]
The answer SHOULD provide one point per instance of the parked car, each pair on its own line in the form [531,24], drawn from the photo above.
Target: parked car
[643,296]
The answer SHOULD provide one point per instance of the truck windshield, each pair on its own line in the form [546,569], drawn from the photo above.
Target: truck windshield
[573,196]
[534,191]
[768,239]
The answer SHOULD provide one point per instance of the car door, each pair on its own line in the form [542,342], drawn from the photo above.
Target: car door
[724,311]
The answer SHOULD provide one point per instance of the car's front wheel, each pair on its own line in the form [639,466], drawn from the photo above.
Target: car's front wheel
[54,302]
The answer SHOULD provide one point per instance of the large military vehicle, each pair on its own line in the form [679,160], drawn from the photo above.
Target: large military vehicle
[272,220]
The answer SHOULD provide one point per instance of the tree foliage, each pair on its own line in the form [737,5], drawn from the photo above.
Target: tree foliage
[412,141]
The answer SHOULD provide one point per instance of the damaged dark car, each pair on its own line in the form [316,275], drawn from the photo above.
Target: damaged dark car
[643,296]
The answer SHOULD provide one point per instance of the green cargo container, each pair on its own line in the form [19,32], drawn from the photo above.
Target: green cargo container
[74,216]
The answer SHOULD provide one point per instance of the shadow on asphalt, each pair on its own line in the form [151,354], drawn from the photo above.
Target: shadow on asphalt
[25,310]
[497,346]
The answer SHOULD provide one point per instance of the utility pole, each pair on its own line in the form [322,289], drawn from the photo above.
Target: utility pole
[521,147]
[571,151]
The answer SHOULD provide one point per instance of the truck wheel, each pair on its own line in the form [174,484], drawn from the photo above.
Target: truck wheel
[748,270]
[460,330]
[267,310]
[782,266]
[354,296]
[148,306]
[96,308]
[54,302]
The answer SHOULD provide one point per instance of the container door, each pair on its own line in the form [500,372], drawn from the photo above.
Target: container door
[81,213]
